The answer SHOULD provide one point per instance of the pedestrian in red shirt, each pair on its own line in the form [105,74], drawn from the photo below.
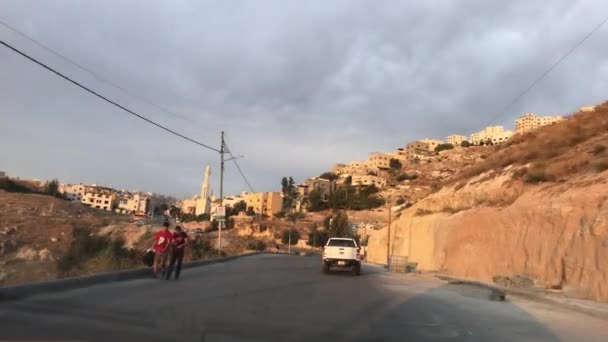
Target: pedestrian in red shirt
[180,238]
[162,242]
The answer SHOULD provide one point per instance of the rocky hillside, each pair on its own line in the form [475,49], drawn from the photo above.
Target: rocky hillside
[535,209]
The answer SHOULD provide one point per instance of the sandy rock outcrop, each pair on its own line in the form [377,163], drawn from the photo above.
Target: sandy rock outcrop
[554,234]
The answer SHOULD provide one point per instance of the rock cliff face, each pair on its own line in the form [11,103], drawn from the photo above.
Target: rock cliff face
[555,234]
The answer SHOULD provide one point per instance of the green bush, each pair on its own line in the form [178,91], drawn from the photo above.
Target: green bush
[405,176]
[443,147]
[329,176]
[395,164]
[11,186]
[317,238]
[86,245]
[256,245]
[465,144]
[400,201]
[538,175]
[295,236]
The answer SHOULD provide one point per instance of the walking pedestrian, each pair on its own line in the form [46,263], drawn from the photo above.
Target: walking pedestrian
[162,242]
[179,240]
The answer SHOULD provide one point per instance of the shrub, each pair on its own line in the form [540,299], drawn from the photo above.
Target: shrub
[295,236]
[256,245]
[86,246]
[465,144]
[329,176]
[443,147]
[405,176]
[317,238]
[600,166]
[280,214]
[422,212]
[538,175]
[263,227]
[400,201]
[598,149]
[11,186]
[395,164]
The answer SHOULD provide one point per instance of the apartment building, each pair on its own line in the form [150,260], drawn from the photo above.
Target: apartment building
[379,161]
[379,182]
[98,197]
[264,203]
[188,206]
[2,174]
[72,192]
[421,149]
[400,154]
[133,203]
[353,168]
[530,122]
[495,134]
[456,139]
[587,109]
[231,201]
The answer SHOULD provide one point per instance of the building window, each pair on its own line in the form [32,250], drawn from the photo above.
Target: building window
[106,202]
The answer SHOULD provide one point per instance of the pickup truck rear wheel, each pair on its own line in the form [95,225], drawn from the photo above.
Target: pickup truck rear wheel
[357,270]
[325,268]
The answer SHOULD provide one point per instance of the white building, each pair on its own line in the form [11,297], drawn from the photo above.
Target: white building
[72,192]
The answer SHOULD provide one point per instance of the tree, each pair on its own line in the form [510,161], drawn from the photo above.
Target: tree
[315,201]
[395,164]
[175,211]
[339,226]
[250,212]
[465,143]
[489,142]
[163,207]
[52,188]
[443,147]
[348,180]
[481,143]
[295,236]
[329,176]
[289,193]
[317,238]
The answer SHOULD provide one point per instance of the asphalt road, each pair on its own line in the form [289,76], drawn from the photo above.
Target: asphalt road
[287,298]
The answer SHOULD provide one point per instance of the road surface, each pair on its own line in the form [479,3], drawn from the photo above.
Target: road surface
[287,298]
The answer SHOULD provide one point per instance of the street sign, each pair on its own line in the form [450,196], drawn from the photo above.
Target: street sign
[220,211]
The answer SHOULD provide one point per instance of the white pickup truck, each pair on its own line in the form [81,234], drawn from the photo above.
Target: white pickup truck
[342,253]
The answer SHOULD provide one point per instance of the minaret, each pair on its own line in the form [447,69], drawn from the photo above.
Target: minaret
[205,185]
[203,205]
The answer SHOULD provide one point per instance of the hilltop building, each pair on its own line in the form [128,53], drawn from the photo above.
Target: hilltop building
[530,122]
[493,134]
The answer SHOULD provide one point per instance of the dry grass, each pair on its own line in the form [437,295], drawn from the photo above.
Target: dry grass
[555,152]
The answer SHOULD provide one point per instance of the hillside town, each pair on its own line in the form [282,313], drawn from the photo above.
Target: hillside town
[374,171]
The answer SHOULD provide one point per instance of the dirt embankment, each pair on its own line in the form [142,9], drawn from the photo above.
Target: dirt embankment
[534,210]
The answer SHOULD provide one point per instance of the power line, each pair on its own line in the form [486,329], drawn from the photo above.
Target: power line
[238,167]
[548,71]
[106,99]
[90,72]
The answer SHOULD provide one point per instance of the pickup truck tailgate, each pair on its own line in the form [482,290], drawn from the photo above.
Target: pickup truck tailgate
[340,253]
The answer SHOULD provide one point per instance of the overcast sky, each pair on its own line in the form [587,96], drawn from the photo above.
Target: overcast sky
[296,85]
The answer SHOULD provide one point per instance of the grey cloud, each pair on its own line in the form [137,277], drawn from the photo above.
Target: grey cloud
[296,85]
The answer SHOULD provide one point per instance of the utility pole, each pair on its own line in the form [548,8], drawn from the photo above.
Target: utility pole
[289,242]
[388,236]
[221,223]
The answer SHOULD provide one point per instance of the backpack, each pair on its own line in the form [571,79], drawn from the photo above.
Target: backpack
[148,258]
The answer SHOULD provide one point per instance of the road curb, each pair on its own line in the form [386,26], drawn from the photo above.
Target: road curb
[538,296]
[60,285]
